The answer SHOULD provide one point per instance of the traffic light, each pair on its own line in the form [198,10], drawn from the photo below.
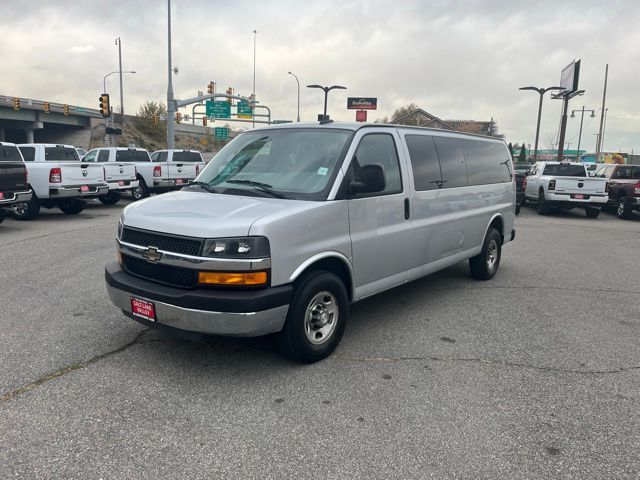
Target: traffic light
[178,117]
[104,105]
[211,88]
[155,120]
[230,92]
[65,109]
[16,103]
[47,107]
[204,121]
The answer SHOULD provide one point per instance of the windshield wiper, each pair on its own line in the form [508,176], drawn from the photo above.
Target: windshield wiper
[263,187]
[205,186]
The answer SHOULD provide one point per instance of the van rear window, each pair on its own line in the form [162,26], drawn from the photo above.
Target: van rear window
[184,157]
[9,153]
[565,170]
[61,154]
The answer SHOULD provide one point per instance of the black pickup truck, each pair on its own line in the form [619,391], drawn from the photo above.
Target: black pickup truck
[14,188]
[520,173]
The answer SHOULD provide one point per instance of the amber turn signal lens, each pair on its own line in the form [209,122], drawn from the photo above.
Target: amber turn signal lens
[225,278]
[119,257]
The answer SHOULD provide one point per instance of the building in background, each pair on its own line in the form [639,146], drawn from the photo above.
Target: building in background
[422,118]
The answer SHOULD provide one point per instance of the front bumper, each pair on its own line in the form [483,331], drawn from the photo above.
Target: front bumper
[74,192]
[240,313]
[127,185]
[18,197]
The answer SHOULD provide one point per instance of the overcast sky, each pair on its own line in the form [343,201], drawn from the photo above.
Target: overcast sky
[456,60]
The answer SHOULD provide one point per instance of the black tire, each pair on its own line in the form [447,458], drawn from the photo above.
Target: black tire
[72,206]
[623,208]
[592,212]
[308,303]
[518,207]
[542,206]
[110,198]
[27,210]
[141,191]
[485,265]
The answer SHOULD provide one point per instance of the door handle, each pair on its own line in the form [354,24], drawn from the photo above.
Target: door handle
[407,209]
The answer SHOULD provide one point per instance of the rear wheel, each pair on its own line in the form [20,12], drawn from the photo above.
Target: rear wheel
[317,318]
[485,265]
[518,207]
[72,206]
[624,208]
[110,198]
[592,212]
[27,210]
[141,191]
[542,206]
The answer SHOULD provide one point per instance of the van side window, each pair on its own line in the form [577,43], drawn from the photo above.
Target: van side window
[103,156]
[424,162]
[454,173]
[378,149]
[28,153]
[487,162]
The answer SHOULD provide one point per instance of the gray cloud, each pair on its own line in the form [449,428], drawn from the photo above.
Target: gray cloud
[455,59]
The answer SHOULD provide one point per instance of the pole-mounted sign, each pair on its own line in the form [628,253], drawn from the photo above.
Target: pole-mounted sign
[362,103]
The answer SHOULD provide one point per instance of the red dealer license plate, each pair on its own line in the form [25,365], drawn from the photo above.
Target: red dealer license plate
[84,188]
[1,196]
[143,309]
[179,181]
[121,183]
[579,196]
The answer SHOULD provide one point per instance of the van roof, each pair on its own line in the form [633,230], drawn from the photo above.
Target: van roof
[355,126]
[45,145]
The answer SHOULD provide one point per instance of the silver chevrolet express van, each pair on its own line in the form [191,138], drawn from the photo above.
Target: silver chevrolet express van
[288,225]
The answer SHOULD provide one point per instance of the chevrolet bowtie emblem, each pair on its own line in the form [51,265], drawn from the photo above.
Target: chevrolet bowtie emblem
[152,254]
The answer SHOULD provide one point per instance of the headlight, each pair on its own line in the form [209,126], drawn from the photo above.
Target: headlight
[238,247]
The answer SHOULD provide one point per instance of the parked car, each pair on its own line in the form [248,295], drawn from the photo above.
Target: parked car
[624,187]
[177,167]
[288,225]
[120,176]
[521,185]
[565,185]
[14,188]
[58,179]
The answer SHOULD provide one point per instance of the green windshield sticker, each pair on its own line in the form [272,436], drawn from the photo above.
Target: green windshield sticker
[323,170]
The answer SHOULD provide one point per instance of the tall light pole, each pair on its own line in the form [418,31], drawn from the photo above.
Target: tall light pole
[541,92]
[255,33]
[171,108]
[104,88]
[298,82]
[326,92]
[602,113]
[119,44]
[573,112]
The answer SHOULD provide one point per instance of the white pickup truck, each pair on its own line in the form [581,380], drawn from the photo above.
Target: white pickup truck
[565,185]
[58,179]
[121,177]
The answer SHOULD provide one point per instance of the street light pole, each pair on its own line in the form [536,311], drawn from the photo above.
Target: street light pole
[593,114]
[326,92]
[170,101]
[541,92]
[255,33]
[119,43]
[298,82]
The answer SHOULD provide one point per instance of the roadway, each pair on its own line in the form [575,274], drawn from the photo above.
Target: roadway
[534,374]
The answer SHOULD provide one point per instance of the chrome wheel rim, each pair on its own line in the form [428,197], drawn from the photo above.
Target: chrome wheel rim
[621,207]
[20,209]
[492,254]
[321,318]
[137,193]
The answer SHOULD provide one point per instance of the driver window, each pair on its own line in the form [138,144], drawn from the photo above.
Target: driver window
[90,157]
[377,149]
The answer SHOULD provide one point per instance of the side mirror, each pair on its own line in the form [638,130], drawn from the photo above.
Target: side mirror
[372,180]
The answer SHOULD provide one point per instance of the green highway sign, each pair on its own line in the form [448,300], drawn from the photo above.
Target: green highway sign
[244,109]
[217,109]
[222,133]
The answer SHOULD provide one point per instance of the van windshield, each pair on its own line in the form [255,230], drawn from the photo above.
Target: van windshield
[298,163]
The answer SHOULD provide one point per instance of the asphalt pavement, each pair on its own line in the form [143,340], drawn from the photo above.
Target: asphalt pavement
[532,375]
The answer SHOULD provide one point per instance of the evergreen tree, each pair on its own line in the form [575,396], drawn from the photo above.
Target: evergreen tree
[522,157]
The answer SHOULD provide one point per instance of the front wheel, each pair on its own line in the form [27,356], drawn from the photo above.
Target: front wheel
[485,265]
[72,207]
[624,208]
[317,318]
[141,191]
[592,212]
[110,198]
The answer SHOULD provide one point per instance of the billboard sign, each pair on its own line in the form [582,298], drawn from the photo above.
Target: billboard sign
[362,103]
[569,77]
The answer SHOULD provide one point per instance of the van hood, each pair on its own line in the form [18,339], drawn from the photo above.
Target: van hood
[200,214]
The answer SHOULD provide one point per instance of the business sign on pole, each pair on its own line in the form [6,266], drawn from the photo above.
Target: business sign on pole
[222,133]
[217,109]
[362,103]
[361,116]
[244,109]
[569,78]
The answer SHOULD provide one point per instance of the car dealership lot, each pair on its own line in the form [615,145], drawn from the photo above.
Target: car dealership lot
[534,374]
